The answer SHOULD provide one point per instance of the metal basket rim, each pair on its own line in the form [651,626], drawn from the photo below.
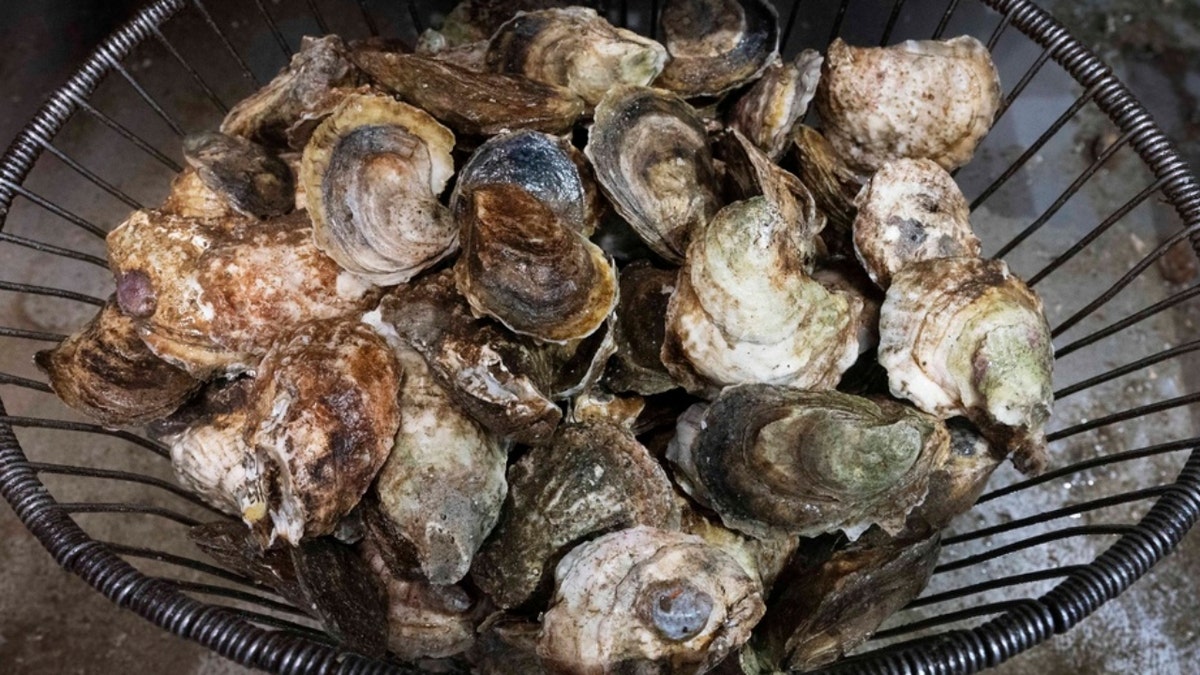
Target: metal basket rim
[959,651]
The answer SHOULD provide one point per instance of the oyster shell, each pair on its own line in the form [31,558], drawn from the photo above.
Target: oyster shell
[507,645]
[473,103]
[774,460]
[433,44]
[962,336]
[321,65]
[591,478]
[744,310]
[486,370]
[191,197]
[211,296]
[474,20]
[640,328]
[910,210]
[763,559]
[252,179]
[324,418]
[526,267]
[954,486]
[647,600]
[574,48]
[651,155]
[106,372]
[597,405]
[767,111]
[547,167]
[932,99]
[372,174]
[752,173]
[846,276]
[716,45]
[443,483]
[833,185]
[834,605]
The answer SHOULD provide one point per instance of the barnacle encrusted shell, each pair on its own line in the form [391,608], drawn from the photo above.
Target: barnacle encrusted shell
[372,173]
[963,336]
[716,45]
[547,167]
[745,310]
[443,483]
[526,267]
[106,372]
[314,74]
[324,418]
[486,370]
[910,210]
[589,479]
[473,103]
[648,600]
[640,329]
[767,111]
[212,295]
[651,155]
[253,180]
[835,604]
[932,99]
[574,48]
[776,460]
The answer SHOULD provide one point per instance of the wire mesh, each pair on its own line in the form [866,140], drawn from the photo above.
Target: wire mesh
[973,628]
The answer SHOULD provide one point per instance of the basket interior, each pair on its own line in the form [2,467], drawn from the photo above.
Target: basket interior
[1074,188]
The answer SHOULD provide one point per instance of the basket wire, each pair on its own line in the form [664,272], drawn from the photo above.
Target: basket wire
[252,626]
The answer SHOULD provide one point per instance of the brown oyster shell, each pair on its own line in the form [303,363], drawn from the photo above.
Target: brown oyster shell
[842,275]
[651,155]
[251,178]
[767,111]
[372,173]
[932,99]
[649,600]
[211,296]
[106,372]
[469,55]
[474,20]
[590,478]
[963,336]
[324,418]
[321,65]
[716,45]
[640,329]
[473,103]
[833,185]
[524,266]
[762,558]
[574,48]
[910,210]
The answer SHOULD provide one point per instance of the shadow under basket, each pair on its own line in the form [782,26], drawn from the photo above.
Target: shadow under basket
[1031,560]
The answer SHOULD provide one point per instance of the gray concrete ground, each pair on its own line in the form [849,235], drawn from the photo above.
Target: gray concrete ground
[51,622]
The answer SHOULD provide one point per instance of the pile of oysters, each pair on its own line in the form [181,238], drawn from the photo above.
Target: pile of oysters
[542,346]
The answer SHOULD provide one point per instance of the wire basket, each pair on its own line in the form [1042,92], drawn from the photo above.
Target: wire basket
[1016,571]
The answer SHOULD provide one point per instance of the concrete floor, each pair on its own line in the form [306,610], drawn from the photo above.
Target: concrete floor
[51,622]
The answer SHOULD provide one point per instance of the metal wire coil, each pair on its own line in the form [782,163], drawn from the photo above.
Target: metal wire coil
[279,645]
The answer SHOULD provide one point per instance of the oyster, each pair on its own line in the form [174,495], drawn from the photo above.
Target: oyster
[744,310]
[846,276]
[423,620]
[443,483]
[321,65]
[549,168]
[962,336]
[597,405]
[372,174]
[211,296]
[835,604]
[469,55]
[507,645]
[716,45]
[774,460]
[751,173]
[763,559]
[324,418]
[485,369]
[651,156]
[833,185]
[252,179]
[767,111]
[106,372]
[639,331]
[931,99]
[191,197]
[473,20]
[319,576]
[473,103]
[574,48]
[954,486]
[526,267]
[591,478]
[208,452]
[647,600]
[910,210]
